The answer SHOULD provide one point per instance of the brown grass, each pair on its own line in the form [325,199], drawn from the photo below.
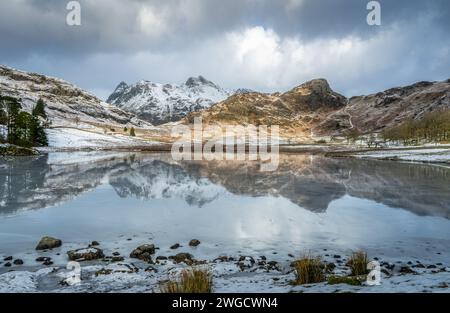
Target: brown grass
[194,280]
[358,263]
[309,270]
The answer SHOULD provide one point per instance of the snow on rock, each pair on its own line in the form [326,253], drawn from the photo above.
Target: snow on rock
[161,103]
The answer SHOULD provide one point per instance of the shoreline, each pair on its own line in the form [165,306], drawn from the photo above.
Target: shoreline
[238,272]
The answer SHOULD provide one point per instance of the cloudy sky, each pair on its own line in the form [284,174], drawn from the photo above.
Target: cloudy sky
[266,45]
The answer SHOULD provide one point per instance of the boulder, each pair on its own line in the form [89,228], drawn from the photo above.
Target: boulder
[175,246]
[182,257]
[194,242]
[143,252]
[86,254]
[48,243]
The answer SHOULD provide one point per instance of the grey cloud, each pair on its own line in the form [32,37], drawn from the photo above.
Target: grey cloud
[168,40]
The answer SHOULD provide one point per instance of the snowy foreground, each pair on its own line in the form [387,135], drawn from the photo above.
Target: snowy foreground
[238,273]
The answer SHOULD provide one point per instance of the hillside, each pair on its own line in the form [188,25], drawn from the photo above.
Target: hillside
[65,103]
[296,111]
[389,108]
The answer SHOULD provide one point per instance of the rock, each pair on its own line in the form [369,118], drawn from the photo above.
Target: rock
[48,243]
[431,266]
[43,259]
[194,242]
[48,263]
[143,252]
[117,259]
[182,257]
[8,264]
[419,266]
[222,258]
[330,267]
[146,257]
[406,270]
[245,262]
[161,258]
[291,255]
[443,285]
[336,256]
[175,246]
[94,243]
[86,254]
[8,258]
[18,262]
[151,269]
[116,254]
[385,272]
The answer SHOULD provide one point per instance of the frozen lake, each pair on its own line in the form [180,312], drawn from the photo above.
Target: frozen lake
[309,203]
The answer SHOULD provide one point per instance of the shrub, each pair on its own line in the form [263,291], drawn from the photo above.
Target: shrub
[195,280]
[358,263]
[132,132]
[309,270]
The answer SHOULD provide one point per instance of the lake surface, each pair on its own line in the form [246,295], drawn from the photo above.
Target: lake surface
[309,204]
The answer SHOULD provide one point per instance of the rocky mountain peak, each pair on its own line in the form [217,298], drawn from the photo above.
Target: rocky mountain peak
[162,103]
[198,81]
[319,86]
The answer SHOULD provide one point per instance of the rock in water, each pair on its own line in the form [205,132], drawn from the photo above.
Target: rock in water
[182,257]
[143,252]
[48,243]
[194,242]
[86,254]
[18,262]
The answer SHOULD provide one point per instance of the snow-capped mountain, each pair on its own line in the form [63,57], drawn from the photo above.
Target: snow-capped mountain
[162,103]
[66,104]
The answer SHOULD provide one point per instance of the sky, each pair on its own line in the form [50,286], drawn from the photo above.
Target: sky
[264,45]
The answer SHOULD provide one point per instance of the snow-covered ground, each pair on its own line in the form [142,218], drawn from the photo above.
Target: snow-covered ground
[437,155]
[71,138]
[263,275]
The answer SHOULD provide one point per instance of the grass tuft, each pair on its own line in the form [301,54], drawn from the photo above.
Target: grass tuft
[194,280]
[309,270]
[358,263]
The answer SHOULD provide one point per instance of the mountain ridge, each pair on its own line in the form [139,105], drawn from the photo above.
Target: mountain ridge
[161,103]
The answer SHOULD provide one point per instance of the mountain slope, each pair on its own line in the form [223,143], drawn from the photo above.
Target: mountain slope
[389,108]
[295,111]
[65,103]
[162,103]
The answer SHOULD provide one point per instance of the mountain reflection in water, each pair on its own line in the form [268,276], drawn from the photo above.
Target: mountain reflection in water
[311,182]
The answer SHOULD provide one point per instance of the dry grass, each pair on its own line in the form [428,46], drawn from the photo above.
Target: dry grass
[358,263]
[194,280]
[309,270]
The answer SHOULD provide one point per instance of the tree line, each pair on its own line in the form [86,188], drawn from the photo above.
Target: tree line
[22,128]
[432,127]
